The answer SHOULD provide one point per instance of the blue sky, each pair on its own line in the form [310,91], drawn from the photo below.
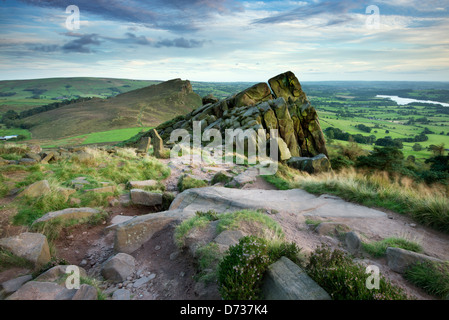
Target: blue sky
[226,40]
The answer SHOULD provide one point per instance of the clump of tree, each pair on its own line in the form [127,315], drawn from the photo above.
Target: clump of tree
[389,142]
[364,128]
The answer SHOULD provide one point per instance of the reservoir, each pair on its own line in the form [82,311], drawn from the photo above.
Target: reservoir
[403,101]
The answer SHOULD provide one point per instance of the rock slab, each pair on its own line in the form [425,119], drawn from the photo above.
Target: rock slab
[399,259]
[287,281]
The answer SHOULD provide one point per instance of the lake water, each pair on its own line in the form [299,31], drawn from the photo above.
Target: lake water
[403,101]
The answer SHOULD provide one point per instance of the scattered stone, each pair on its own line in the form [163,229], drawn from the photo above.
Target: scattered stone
[121,294]
[399,259]
[37,189]
[47,158]
[27,162]
[157,248]
[222,177]
[32,155]
[353,242]
[86,292]
[146,198]
[9,287]
[118,267]
[107,189]
[31,246]
[174,255]
[287,281]
[140,282]
[68,214]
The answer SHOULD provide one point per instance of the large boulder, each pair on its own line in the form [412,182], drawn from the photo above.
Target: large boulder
[68,214]
[9,287]
[30,246]
[400,259]
[118,267]
[86,292]
[57,273]
[146,198]
[37,189]
[36,290]
[317,164]
[287,281]
[132,234]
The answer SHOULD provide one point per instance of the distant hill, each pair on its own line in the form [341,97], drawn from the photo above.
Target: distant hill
[145,107]
[22,95]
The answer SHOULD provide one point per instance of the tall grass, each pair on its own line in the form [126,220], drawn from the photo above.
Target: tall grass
[428,205]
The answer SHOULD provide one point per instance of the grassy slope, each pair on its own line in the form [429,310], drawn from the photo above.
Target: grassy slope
[96,137]
[144,107]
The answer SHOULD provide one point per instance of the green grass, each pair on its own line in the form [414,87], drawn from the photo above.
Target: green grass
[199,221]
[234,220]
[101,167]
[432,277]
[109,136]
[186,182]
[379,248]
[15,131]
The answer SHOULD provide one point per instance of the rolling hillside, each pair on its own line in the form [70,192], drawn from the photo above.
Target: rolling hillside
[20,95]
[143,107]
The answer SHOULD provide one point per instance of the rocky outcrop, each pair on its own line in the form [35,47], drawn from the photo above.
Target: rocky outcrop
[281,104]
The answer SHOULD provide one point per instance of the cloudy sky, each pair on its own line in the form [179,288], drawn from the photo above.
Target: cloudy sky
[226,40]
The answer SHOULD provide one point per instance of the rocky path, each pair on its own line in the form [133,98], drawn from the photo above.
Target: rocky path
[164,272]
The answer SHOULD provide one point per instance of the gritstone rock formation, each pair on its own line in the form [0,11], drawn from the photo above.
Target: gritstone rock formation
[281,104]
